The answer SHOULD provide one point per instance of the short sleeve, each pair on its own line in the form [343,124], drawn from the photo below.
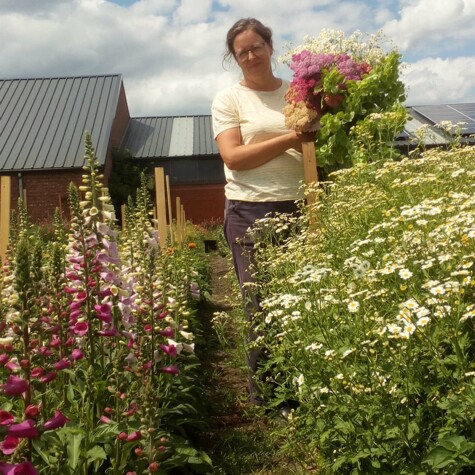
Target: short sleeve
[224,112]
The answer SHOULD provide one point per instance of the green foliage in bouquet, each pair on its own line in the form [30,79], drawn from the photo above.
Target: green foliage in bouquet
[339,85]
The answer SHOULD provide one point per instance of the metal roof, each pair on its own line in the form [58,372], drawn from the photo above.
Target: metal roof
[459,120]
[165,137]
[410,132]
[461,115]
[43,121]
[168,137]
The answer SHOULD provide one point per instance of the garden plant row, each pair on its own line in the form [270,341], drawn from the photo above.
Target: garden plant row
[368,316]
[98,329]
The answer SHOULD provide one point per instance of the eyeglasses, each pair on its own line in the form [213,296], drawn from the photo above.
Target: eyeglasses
[256,49]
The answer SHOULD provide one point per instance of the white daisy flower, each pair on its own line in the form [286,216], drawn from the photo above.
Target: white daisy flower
[423,321]
[405,274]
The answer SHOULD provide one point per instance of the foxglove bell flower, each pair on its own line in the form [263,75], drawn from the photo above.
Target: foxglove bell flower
[48,377]
[134,436]
[32,411]
[6,418]
[15,386]
[76,354]
[9,444]
[24,430]
[173,369]
[58,420]
[24,468]
[170,350]
[62,364]
[80,328]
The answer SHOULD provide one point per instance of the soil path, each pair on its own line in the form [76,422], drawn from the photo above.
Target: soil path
[225,372]
[232,425]
[238,435]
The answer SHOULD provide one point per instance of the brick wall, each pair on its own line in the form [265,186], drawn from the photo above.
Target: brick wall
[201,202]
[44,191]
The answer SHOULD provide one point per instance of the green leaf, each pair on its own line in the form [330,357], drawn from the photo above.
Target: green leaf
[96,453]
[39,450]
[186,451]
[74,449]
[439,457]
[453,442]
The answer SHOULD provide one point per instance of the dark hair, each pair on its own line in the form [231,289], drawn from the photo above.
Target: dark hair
[239,27]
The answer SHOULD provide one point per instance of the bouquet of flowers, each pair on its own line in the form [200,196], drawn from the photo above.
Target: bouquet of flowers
[318,86]
[337,84]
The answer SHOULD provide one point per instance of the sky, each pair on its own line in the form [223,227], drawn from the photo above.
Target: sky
[169,52]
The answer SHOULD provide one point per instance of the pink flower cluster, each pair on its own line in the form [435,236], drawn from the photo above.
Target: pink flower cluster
[27,429]
[307,98]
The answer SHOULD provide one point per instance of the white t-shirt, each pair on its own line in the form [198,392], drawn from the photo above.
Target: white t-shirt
[258,113]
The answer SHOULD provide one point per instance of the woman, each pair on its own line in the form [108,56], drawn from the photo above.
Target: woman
[262,159]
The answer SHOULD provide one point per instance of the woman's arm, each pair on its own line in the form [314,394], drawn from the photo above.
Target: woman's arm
[237,156]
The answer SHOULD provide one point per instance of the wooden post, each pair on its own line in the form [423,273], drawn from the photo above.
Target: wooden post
[123,218]
[5,204]
[179,236]
[183,223]
[310,167]
[160,205]
[170,217]
[311,176]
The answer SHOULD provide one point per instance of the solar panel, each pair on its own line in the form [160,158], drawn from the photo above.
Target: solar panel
[461,115]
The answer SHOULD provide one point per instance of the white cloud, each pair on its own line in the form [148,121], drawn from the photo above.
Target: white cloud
[424,23]
[153,7]
[172,91]
[440,81]
[191,11]
[169,52]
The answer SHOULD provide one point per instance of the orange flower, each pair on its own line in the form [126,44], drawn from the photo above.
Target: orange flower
[191,245]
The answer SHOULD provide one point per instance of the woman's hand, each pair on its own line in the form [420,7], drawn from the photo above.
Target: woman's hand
[304,137]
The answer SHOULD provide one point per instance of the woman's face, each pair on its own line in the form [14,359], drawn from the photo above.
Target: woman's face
[252,53]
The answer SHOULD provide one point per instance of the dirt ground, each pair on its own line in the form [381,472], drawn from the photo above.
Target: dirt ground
[229,376]
[237,434]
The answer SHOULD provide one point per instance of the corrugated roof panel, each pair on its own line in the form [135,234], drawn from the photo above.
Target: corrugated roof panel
[158,137]
[459,114]
[7,105]
[61,146]
[181,143]
[133,136]
[106,98]
[148,137]
[34,110]
[431,137]
[160,134]
[12,115]
[59,107]
[204,143]
[43,121]
[73,138]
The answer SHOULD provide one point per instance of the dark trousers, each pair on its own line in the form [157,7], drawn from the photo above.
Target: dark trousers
[238,218]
